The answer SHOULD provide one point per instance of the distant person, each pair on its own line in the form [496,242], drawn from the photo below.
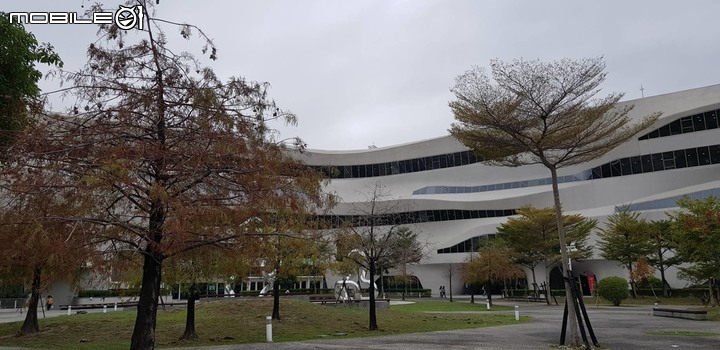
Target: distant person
[49,302]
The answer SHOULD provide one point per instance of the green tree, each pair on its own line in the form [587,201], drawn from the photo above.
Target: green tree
[613,289]
[697,234]
[625,239]
[407,249]
[534,239]
[492,263]
[172,157]
[663,253]
[541,113]
[19,93]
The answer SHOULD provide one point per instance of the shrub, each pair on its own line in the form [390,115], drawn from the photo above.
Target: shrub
[613,289]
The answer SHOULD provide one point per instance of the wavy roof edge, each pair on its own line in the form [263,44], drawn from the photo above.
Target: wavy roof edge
[670,104]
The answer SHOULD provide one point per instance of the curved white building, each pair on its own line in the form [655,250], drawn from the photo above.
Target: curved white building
[455,199]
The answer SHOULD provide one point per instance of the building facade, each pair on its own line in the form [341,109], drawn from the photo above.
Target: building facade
[455,200]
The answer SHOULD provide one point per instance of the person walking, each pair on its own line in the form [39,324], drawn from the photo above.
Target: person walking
[49,302]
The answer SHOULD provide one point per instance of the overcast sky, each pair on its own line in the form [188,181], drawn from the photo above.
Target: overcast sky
[359,73]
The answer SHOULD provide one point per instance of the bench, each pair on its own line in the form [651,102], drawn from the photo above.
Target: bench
[526,299]
[690,314]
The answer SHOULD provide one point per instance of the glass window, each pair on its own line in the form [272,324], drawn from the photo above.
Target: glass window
[699,122]
[362,171]
[606,170]
[657,160]
[703,155]
[636,165]
[472,157]
[376,170]
[686,124]
[665,131]
[474,214]
[668,160]
[443,161]
[691,156]
[675,128]
[596,174]
[644,137]
[355,171]
[680,161]
[715,154]
[435,162]
[625,166]
[646,163]
[482,213]
[653,135]
[395,166]
[615,168]
[711,120]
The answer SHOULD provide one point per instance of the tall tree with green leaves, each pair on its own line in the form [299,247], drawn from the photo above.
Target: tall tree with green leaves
[534,239]
[534,112]
[697,234]
[172,157]
[19,92]
[407,249]
[625,239]
[663,254]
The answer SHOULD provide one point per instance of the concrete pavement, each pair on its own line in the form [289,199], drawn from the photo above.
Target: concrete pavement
[622,327]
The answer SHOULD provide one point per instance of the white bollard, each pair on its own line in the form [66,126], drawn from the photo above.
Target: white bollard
[104,309]
[517,313]
[268,329]
[115,307]
[16,304]
[69,309]
[487,303]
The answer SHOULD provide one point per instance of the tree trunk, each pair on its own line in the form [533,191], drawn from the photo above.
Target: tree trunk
[31,325]
[534,284]
[548,291]
[276,297]
[450,283]
[661,266]
[572,317]
[382,283]
[713,302]
[373,316]
[372,324]
[488,292]
[190,332]
[632,282]
[143,337]
[404,281]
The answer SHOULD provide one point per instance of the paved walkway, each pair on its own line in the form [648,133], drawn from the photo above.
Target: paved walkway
[616,328]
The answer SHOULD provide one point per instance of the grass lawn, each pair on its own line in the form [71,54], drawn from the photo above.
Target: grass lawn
[232,321]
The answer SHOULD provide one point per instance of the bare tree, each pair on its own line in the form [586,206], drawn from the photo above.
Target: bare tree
[542,113]
[376,226]
[171,157]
